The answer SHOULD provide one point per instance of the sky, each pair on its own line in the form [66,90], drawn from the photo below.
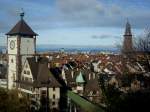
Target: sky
[76,22]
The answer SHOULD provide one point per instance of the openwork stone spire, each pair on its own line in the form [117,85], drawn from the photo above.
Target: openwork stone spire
[127,44]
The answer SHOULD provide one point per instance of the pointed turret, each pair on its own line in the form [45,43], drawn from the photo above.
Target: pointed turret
[80,83]
[128,29]
[79,78]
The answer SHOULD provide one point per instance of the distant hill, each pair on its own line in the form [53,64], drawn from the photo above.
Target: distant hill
[72,48]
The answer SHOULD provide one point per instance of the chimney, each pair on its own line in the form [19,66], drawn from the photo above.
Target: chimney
[37,58]
[72,73]
[93,75]
[89,76]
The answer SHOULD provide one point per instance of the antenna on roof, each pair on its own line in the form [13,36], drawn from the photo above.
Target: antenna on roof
[22,13]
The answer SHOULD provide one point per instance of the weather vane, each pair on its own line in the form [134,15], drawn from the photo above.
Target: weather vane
[22,13]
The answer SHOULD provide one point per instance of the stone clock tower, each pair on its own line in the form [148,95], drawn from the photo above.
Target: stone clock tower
[21,43]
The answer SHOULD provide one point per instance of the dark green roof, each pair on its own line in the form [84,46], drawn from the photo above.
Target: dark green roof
[79,78]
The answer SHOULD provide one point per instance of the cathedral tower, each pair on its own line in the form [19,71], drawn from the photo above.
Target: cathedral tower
[127,44]
[21,43]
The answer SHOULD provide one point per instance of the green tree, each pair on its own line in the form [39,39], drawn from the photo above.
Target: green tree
[117,101]
[11,102]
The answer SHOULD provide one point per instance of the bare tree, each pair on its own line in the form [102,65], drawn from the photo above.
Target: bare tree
[143,43]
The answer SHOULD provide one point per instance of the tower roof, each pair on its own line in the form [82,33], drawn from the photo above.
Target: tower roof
[21,28]
[79,78]
[128,29]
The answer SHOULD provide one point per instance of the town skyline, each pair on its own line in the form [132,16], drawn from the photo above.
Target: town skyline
[74,56]
[74,22]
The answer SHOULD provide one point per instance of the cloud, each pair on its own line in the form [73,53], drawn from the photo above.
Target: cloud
[79,12]
[75,13]
[88,13]
[115,10]
[77,6]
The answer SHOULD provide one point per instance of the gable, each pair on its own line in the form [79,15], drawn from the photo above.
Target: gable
[26,74]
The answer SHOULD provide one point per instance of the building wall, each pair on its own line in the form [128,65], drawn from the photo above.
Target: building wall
[11,71]
[26,72]
[27,46]
[54,95]
[27,49]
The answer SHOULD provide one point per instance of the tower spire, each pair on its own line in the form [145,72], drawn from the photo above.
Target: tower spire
[128,28]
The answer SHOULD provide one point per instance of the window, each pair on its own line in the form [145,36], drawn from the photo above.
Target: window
[12,60]
[94,92]
[28,72]
[30,79]
[53,103]
[26,79]
[22,78]
[24,72]
[14,78]
[53,96]
[53,88]
[26,66]
[43,93]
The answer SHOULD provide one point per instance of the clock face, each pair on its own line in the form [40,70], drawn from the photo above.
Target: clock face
[12,44]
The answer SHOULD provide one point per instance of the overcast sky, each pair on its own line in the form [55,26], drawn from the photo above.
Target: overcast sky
[77,22]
